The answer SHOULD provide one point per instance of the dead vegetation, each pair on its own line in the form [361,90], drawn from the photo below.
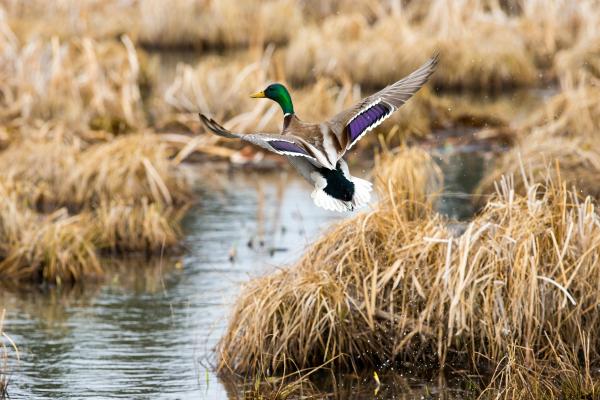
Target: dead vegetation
[82,173]
[228,23]
[562,132]
[82,83]
[512,295]
[533,42]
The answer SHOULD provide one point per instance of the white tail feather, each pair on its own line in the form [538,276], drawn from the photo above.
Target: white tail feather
[323,200]
[362,195]
[362,192]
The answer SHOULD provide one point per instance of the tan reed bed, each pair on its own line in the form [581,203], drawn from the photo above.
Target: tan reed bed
[562,132]
[55,247]
[573,112]
[145,227]
[79,82]
[375,55]
[485,45]
[540,153]
[67,19]
[129,168]
[226,23]
[514,297]
[65,204]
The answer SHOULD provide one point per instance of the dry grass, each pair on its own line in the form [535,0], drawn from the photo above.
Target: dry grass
[513,295]
[128,194]
[147,227]
[81,82]
[532,42]
[354,48]
[65,19]
[579,160]
[562,132]
[130,167]
[305,317]
[227,23]
[55,247]
[573,112]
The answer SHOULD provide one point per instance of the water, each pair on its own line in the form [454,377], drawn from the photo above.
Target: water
[148,330]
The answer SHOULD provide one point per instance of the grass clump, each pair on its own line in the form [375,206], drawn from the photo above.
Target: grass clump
[540,153]
[510,298]
[131,167]
[55,247]
[561,132]
[146,227]
[78,82]
[354,48]
[65,204]
[307,316]
[228,23]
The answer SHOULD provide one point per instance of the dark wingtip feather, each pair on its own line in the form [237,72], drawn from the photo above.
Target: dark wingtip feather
[217,129]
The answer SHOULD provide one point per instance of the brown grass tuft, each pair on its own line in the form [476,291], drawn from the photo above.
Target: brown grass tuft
[562,132]
[540,153]
[145,227]
[131,168]
[128,194]
[306,315]
[55,247]
[226,23]
[80,82]
[513,295]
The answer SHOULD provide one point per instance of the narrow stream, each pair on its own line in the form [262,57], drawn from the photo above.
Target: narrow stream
[149,329]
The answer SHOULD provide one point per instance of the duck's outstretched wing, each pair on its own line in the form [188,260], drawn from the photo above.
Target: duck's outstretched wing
[288,145]
[353,123]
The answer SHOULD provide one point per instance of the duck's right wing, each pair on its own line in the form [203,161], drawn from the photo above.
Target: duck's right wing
[288,145]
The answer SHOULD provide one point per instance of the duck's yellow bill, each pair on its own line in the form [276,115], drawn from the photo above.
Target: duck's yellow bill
[258,95]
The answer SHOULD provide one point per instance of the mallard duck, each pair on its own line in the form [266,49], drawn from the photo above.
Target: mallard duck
[316,150]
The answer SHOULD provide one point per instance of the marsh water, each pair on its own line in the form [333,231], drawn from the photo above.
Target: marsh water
[149,328]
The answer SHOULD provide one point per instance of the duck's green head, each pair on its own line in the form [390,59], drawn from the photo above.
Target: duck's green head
[278,93]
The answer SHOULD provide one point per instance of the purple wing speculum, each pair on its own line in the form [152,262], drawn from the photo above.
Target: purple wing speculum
[367,119]
[287,147]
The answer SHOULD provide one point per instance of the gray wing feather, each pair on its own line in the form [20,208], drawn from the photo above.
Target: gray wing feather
[260,139]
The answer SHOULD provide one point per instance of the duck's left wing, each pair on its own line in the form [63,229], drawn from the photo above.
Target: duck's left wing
[287,145]
[353,123]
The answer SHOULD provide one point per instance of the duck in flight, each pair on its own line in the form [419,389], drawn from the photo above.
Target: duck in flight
[316,150]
